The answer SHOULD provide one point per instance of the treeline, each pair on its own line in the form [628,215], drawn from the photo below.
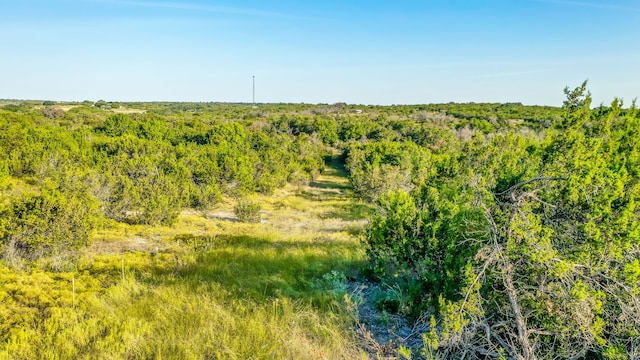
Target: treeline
[66,169]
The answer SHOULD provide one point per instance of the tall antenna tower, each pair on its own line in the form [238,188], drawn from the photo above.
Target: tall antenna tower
[254,90]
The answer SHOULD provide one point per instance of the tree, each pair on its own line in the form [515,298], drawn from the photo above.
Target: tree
[526,249]
[34,225]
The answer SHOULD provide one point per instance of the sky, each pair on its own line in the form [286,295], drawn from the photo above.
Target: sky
[358,52]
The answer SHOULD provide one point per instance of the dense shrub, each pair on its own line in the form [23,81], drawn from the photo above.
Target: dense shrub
[523,245]
[34,225]
[377,167]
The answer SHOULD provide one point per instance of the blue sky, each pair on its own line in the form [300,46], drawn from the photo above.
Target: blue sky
[364,52]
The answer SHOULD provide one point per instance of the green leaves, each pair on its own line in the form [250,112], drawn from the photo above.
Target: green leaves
[141,168]
[248,211]
[526,244]
[577,107]
[34,225]
[377,167]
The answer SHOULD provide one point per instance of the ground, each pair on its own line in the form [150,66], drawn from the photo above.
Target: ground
[288,287]
[322,210]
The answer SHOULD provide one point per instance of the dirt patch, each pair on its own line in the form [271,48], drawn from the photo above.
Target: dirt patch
[223,215]
[132,244]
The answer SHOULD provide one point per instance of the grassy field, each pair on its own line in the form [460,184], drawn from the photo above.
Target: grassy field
[208,288]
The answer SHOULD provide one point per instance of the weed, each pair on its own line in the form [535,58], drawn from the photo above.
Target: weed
[335,281]
[248,211]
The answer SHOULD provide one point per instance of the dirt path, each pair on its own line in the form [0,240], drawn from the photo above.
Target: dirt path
[381,334]
[324,209]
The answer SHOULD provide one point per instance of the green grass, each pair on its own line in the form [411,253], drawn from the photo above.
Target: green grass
[247,298]
[217,289]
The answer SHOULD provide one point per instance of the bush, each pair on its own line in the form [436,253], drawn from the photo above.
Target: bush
[160,202]
[248,211]
[33,226]
[4,170]
[51,112]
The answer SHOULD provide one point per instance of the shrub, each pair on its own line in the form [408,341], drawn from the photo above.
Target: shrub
[248,211]
[33,226]
[51,112]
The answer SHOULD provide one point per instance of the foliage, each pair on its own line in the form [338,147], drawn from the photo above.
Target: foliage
[515,228]
[34,225]
[521,244]
[238,291]
[374,168]
[248,211]
[144,168]
[51,112]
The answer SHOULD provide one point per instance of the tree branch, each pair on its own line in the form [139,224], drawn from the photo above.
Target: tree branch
[512,188]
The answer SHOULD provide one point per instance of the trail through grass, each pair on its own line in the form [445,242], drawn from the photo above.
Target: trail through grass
[208,288]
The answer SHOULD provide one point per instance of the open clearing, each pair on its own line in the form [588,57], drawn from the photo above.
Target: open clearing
[211,287]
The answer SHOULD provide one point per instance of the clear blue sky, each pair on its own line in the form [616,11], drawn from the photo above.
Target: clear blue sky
[365,52]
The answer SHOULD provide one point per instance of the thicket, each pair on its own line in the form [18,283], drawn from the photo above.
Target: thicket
[63,176]
[521,243]
[144,168]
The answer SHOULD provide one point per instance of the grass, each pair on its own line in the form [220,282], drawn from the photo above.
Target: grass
[215,289]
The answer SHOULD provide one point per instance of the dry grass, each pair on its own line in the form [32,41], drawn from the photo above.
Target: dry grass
[122,110]
[66,108]
[308,212]
[215,288]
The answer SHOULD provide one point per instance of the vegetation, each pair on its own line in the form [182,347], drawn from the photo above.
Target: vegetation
[205,287]
[521,244]
[205,230]
[248,211]
[106,252]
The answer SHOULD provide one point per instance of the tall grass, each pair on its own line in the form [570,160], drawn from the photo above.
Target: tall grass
[218,290]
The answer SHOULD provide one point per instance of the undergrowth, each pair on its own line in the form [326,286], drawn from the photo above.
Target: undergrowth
[203,289]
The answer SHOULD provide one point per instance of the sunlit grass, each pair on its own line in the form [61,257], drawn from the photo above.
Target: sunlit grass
[248,298]
[207,288]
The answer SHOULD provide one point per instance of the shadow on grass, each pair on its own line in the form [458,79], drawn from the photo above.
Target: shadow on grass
[329,185]
[261,269]
[350,212]
[321,196]
[335,166]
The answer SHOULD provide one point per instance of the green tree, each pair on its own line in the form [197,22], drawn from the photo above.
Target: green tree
[525,247]
[34,225]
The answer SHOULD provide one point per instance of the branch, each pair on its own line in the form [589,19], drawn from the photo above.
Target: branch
[534,179]
[523,338]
